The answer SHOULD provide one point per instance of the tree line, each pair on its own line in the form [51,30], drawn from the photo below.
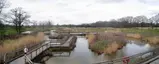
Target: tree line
[124,22]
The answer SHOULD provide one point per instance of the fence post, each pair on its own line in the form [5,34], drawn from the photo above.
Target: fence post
[25,59]
[36,53]
[111,62]
[42,48]
[31,55]
[25,51]
[4,59]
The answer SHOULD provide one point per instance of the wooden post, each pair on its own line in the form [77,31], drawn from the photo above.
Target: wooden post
[4,59]
[31,55]
[36,53]
[25,59]
[25,51]
[42,48]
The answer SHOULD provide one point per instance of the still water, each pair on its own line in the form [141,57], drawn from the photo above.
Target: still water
[83,55]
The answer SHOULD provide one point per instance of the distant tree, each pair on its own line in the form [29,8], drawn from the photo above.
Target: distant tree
[124,22]
[49,24]
[2,29]
[155,20]
[151,23]
[18,18]
[3,4]
[34,24]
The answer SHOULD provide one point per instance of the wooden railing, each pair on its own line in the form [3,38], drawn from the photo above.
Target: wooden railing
[134,59]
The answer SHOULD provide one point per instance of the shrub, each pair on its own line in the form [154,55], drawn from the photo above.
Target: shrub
[107,42]
[99,45]
[112,47]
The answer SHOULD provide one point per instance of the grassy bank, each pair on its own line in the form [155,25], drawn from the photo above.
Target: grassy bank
[145,34]
[11,45]
[149,35]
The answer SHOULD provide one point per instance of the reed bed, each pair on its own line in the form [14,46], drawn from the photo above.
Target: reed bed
[11,45]
[152,40]
[136,36]
[106,42]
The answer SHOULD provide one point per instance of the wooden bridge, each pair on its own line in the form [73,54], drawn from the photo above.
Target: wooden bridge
[69,44]
[31,54]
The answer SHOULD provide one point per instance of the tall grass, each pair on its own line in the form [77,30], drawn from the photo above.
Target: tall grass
[136,36]
[107,42]
[99,46]
[91,38]
[11,45]
[152,40]
[113,47]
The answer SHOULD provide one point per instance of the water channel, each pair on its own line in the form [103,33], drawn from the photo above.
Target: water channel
[83,55]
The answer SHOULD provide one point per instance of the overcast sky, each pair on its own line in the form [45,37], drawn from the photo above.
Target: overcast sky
[85,11]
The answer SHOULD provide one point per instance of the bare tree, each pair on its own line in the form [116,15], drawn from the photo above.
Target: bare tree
[19,17]
[49,24]
[3,4]
[2,25]
[154,20]
[34,23]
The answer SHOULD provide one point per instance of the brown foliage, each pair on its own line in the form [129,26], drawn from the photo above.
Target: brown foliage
[10,45]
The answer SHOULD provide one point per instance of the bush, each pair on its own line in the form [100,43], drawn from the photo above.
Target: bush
[99,46]
[107,42]
[113,47]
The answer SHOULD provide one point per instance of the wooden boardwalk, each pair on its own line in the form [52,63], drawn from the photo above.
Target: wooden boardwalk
[32,54]
[47,44]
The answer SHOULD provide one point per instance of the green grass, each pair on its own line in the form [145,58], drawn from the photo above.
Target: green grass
[144,32]
[38,29]
[10,31]
[99,45]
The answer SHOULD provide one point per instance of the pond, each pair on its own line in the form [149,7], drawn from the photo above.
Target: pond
[83,55]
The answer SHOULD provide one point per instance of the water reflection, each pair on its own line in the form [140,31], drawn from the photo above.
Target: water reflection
[135,47]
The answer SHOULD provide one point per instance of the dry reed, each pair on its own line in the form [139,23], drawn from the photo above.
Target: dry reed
[107,42]
[11,45]
[152,40]
[136,36]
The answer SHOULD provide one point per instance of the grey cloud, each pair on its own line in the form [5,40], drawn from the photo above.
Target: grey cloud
[151,2]
[109,1]
[80,11]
